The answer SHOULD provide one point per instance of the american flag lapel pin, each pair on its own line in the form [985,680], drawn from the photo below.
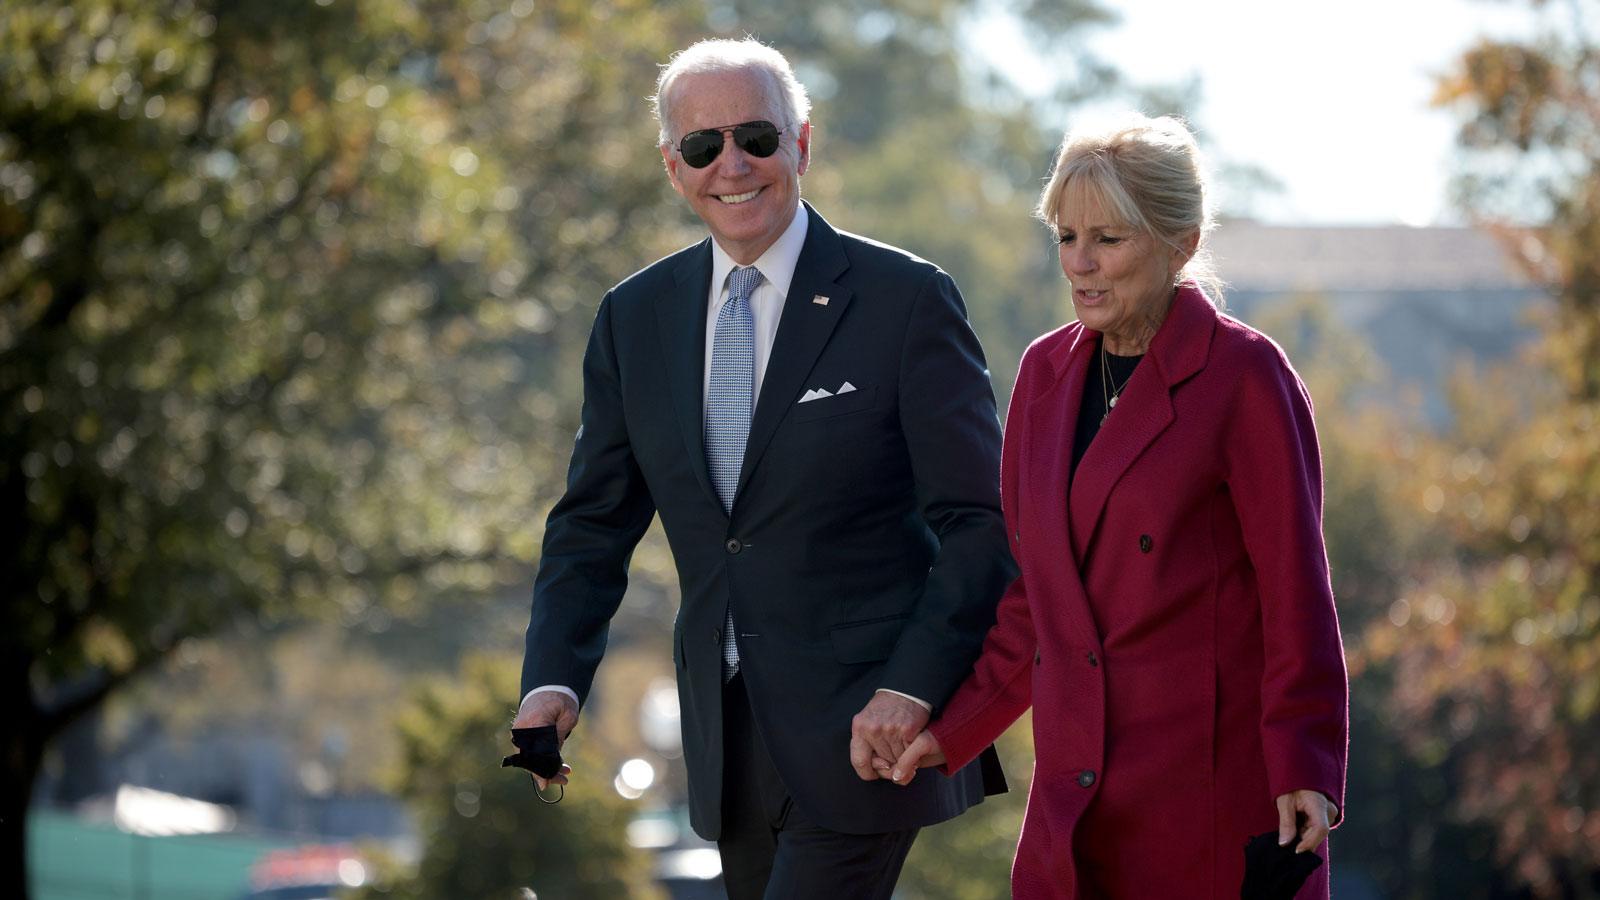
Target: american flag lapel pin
[819,300]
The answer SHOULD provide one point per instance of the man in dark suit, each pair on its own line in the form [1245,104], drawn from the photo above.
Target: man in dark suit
[811,416]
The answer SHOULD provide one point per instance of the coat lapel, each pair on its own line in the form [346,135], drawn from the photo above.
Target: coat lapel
[681,317]
[803,330]
[1046,464]
[1177,352]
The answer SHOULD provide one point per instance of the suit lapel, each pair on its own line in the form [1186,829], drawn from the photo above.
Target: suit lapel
[681,317]
[803,330]
[1177,352]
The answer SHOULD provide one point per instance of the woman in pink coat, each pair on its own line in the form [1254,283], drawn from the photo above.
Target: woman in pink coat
[1173,626]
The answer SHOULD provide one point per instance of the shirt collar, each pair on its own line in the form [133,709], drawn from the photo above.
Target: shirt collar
[777,264]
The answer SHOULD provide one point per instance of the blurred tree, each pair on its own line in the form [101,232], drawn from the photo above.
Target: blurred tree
[1494,643]
[288,296]
[486,836]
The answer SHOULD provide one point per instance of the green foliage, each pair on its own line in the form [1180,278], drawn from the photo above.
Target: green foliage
[486,834]
[226,252]
[289,295]
[292,297]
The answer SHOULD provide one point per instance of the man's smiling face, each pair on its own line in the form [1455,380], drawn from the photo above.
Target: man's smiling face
[746,201]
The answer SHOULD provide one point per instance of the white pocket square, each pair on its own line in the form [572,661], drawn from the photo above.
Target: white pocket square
[819,393]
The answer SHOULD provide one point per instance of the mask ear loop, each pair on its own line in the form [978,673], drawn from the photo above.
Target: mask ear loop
[540,794]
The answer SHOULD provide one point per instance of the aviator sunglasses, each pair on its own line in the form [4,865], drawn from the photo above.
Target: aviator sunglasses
[700,148]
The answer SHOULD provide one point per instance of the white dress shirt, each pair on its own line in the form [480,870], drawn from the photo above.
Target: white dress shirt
[766,301]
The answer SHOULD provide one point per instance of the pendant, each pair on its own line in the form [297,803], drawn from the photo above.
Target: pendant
[1113,403]
[1103,419]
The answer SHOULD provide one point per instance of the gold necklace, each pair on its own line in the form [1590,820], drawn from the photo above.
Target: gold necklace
[1109,392]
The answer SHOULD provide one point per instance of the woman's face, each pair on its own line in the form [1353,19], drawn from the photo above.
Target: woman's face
[1121,279]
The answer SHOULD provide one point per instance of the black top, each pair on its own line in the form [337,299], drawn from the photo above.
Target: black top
[1095,392]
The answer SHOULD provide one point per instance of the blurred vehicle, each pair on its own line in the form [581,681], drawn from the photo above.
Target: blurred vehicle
[306,872]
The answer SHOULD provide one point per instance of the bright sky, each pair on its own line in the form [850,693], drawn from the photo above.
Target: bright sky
[1330,98]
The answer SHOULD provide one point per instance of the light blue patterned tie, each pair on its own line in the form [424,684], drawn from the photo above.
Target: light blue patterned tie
[728,407]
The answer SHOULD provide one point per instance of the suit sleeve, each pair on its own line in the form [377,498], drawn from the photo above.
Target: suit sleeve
[1275,477]
[1000,688]
[952,434]
[591,532]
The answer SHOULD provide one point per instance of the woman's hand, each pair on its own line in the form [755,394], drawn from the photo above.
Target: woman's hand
[921,753]
[1320,815]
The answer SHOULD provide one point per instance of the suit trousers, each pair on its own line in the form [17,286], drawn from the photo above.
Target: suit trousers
[770,850]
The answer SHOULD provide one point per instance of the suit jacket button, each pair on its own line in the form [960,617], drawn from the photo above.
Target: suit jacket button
[1145,543]
[733,545]
[1085,778]
[716,636]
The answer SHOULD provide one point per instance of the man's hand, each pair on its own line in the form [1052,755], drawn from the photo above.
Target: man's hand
[549,708]
[1320,815]
[883,729]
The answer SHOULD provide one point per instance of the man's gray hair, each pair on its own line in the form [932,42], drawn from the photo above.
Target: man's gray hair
[721,55]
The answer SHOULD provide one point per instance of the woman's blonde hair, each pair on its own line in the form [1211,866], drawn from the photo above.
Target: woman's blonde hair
[1146,174]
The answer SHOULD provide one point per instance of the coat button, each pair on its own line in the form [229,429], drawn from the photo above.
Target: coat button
[1093,661]
[733,545]
[1085,778]
[1145,543]
[716,636]
[1036,658]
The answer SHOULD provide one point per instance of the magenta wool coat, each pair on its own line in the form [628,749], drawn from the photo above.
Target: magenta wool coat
[1173,626]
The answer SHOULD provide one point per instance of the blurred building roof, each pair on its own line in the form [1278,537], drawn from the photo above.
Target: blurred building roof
[1425,299]
[1283,259]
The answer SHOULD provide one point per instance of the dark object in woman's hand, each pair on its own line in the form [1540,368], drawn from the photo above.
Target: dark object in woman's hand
[1273,871]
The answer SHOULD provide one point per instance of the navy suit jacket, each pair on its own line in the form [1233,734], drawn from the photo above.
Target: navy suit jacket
[865,549]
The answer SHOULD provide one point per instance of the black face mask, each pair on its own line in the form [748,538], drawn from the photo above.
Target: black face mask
[1272,872]
[538,751]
